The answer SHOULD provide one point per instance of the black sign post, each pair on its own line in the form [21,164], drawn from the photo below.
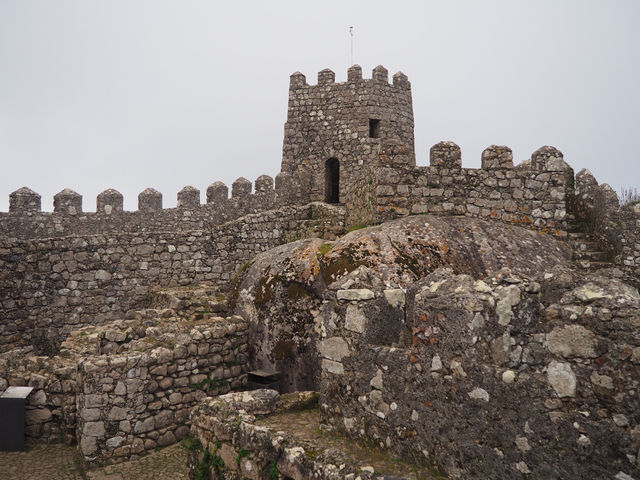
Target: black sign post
[12,407]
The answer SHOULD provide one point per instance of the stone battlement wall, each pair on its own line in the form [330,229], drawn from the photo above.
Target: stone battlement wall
[26,220]
[533,194]
[54,285]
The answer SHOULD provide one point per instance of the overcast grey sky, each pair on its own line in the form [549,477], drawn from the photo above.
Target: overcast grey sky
[129,94]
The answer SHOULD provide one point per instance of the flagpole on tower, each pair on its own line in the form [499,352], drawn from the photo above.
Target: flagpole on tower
[351,44]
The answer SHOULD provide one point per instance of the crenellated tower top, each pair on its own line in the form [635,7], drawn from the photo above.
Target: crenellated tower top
[336,131]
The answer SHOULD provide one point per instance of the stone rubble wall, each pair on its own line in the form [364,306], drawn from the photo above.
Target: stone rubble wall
[50,415]
[137,401]
[506,378]
[227,443]
[532,194]
[49,287]
[124,388]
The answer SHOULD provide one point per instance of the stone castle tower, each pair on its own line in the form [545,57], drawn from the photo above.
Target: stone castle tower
[338,132]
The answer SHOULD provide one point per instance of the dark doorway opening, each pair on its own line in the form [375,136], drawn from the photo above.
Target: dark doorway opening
[332,181]
[374,128]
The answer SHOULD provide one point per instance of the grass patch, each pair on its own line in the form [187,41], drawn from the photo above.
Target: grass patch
[324,249]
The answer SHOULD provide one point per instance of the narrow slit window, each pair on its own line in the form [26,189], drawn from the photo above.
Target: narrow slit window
[374,128]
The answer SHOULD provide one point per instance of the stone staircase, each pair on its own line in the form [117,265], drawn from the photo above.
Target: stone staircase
[586,253]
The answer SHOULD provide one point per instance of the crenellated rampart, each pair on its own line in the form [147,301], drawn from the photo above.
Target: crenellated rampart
[532,194]
[26,220]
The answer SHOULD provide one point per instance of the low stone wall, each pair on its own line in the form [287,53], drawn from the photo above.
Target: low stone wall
[505,378]
[50,415]
[50,287]
[233,438]
[137,401]
[127,387]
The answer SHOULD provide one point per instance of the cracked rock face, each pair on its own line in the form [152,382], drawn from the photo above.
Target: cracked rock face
[471,344]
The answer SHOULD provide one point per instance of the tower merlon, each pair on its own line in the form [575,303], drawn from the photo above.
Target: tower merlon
[297,80]
[400,80]
[354,73]
[380,74]
[326,77]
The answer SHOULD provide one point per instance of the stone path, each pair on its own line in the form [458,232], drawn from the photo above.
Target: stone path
[169,462]
[54,462]
[305,425]
[60,462]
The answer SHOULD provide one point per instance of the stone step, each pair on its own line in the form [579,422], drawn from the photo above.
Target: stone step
[584,244]
[590,255]
[589,265]
[577,235]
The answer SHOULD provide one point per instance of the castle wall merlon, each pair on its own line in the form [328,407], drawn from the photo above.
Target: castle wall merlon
[495,156]
[263,184]
[217,192]
[150,200]
[24,200]
[189,197]
[445,155]
[548,159]
[326,77]
[241,188]
[610,197]
[67,202]
[109,201]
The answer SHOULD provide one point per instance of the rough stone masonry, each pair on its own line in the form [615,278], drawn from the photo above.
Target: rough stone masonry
[462,334]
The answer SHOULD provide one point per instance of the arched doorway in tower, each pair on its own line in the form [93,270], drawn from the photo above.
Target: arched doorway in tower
[332,181]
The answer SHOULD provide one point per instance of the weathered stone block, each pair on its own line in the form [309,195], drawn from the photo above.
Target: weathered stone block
[334,348]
